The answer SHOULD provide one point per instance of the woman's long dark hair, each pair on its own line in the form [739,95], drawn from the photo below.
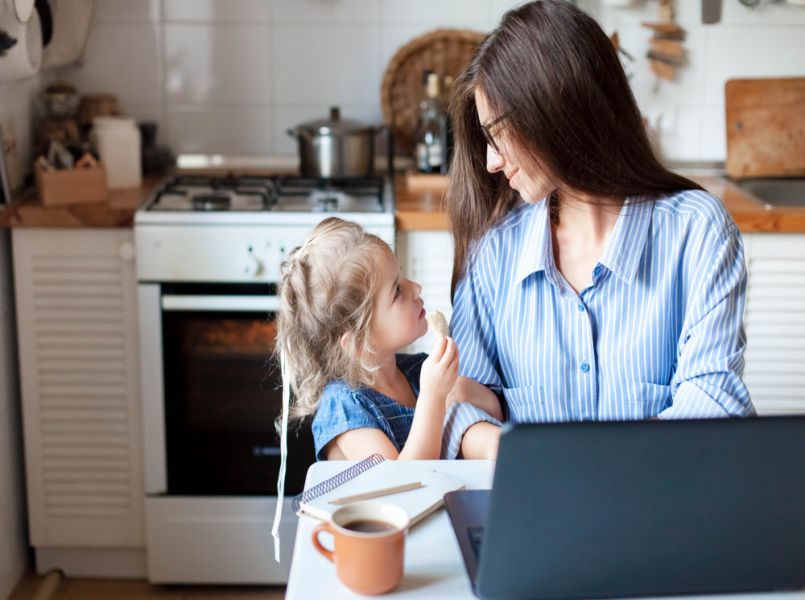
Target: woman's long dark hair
[551,69]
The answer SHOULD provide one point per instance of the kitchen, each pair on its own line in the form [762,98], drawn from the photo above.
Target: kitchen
[231,77]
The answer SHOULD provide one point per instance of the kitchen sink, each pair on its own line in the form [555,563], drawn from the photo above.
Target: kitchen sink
[777,192]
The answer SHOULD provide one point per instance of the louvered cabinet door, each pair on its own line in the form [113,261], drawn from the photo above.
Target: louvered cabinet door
[77,337]
[775,322]
[426,257]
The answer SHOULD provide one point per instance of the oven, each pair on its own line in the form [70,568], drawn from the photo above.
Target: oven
[225,391]
[211,387]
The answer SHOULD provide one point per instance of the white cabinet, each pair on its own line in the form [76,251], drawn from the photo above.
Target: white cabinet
[78,359]
[426,257]
[775,322]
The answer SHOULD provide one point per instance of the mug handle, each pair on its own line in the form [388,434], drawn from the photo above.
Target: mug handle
[328,554]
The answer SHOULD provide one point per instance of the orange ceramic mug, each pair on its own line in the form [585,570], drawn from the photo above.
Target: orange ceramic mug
[369,545]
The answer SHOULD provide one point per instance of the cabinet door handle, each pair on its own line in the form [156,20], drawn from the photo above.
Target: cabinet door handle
[126,252]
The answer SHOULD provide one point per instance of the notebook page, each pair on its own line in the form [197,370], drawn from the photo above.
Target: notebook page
[418,503]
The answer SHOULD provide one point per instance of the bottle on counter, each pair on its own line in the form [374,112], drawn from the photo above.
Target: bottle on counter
[430,140]
[117,140]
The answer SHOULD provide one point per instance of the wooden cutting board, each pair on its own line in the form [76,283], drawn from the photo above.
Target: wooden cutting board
[765,127]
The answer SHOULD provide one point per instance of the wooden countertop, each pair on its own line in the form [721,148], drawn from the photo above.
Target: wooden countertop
[421,208]
[116,211]
[418,209]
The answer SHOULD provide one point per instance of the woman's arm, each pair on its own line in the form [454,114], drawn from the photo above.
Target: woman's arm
[470,391]
[480,441]
[473,328]
[707,381]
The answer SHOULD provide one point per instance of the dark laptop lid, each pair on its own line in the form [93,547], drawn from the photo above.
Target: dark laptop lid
[585,510]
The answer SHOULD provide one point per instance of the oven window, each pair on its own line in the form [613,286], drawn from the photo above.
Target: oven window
[223,392]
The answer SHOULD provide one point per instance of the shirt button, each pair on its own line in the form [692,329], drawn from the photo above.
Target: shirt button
[597,270]
[581,307]
[585,366]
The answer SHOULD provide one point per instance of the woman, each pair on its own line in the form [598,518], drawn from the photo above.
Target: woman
[590,283]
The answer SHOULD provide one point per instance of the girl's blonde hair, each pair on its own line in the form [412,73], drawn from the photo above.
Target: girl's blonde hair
[327,289]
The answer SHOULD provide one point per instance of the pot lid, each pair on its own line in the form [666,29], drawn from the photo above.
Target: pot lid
[335,125]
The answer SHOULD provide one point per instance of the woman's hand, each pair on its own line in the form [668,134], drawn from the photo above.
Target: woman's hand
[440,370]
[469,390]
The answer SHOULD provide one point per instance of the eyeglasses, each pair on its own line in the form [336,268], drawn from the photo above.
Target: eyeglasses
[486,131]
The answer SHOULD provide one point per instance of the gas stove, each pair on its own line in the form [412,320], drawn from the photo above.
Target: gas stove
[239,229]
[196,199]
[209,251]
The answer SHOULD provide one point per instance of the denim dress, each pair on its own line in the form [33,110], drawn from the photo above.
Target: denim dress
[342,408]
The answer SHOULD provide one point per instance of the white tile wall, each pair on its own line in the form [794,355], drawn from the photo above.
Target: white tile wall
[232,75]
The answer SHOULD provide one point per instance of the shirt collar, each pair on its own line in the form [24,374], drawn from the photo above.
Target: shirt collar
[625,247]
[537,242]
[621,256]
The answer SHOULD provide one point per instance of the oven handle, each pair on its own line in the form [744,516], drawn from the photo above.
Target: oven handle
[221,303]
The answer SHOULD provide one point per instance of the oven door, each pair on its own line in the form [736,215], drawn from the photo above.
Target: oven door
[222,392]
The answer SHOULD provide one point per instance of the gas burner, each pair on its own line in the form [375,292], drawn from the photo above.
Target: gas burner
[211,202]
[280,194]
[328,200]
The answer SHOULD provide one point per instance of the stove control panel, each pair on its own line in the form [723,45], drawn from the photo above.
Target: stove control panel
[220,253]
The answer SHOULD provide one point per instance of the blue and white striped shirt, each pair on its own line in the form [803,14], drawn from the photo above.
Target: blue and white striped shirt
[657,332]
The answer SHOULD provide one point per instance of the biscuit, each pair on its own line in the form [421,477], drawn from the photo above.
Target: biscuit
[438,323]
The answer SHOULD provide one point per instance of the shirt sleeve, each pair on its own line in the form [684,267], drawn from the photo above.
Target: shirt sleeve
[340,410]
[472,327]
[707,381]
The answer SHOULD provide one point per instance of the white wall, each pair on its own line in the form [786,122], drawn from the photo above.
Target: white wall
[233,75]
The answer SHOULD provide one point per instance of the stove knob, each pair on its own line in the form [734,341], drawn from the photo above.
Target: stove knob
[252,266]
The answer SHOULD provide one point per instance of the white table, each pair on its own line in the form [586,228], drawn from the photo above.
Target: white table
[433,565]
[434,568]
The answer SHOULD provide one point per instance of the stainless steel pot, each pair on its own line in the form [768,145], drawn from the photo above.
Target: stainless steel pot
[335,147]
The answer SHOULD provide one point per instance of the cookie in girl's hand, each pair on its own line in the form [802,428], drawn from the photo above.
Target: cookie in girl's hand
[438,323]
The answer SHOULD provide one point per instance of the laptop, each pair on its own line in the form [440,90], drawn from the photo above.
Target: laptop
[616,509]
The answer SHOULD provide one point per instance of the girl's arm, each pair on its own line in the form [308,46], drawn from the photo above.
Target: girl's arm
[357,444]
[439,374]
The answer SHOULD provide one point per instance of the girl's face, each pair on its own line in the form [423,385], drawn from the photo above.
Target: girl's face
[399,317]
[525,178]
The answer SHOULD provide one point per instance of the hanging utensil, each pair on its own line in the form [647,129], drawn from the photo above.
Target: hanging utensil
[711,11]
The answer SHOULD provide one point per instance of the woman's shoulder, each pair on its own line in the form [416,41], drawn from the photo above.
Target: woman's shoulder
[509,230]
[700,208]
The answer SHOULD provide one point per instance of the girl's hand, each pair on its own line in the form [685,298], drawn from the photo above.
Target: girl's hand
[440,370]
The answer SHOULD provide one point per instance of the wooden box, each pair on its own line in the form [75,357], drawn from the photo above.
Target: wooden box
[71,186]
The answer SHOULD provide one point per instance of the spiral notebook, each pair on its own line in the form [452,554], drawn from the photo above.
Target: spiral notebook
[376,473]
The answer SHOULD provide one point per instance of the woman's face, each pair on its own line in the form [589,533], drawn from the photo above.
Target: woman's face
[524,177]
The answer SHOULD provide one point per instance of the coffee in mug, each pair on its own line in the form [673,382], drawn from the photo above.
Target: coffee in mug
[369,526]
[368,545]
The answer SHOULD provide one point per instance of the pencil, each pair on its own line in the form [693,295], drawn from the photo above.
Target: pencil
[377,493]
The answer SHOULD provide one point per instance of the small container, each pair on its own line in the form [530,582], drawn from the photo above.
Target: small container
[117,140]
[86,183]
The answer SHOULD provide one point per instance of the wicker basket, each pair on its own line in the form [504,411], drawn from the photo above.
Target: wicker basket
[443,51]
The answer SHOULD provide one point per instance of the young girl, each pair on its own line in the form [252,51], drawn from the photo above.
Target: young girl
[346,312]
